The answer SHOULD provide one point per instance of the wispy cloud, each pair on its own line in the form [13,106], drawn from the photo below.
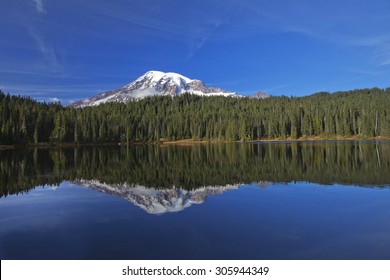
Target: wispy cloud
[378,46]
[144,19]
[39,6]
[63,101]
[62,91]
[54,99]
[45,48]
[35,70]
[199,38]
[155,20]
[382,53]
[365,25]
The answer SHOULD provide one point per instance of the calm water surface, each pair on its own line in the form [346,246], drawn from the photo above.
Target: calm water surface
[328,200]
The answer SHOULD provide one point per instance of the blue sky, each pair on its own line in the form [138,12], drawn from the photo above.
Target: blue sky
[68,50]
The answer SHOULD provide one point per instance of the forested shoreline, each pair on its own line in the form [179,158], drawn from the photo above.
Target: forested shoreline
[360,113]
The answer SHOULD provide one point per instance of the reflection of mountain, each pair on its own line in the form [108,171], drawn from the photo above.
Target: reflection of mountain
[161,167]
[157,201]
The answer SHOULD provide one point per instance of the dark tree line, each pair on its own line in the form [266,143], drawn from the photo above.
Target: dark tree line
[358,113]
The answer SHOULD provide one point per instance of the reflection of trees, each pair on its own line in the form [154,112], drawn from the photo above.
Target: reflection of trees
[359,163]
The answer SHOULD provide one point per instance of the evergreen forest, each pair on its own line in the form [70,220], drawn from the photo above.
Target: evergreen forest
[363,113]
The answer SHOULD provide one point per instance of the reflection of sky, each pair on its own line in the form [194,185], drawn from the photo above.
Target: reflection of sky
[282,221]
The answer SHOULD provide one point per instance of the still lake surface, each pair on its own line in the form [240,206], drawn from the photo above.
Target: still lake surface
[314,200]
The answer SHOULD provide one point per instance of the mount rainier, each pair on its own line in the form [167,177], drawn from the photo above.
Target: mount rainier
[157,201]
[154,83]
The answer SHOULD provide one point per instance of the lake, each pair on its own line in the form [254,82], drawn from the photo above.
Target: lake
[309,200]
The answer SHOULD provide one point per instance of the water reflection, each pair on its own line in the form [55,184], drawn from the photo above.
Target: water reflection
[258,201]
[184,169]
[157,201]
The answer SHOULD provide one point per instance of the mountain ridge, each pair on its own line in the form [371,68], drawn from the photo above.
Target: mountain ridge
[154,83]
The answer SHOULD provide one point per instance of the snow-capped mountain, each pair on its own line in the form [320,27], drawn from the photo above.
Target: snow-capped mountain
[260,95]
[154,83]
[157,201]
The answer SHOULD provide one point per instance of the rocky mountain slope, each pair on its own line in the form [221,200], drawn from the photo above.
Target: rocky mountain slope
[154,83]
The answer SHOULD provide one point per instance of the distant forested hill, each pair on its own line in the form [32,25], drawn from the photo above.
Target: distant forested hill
[358,113]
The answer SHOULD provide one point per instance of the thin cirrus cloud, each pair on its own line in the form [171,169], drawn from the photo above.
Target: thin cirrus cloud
[366,24]
[57,88]
[382,54]
[28,44]
[189,24]
[39,6]
[45,48]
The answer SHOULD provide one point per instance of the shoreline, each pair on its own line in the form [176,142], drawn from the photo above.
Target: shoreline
[276,140]
[189,142]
